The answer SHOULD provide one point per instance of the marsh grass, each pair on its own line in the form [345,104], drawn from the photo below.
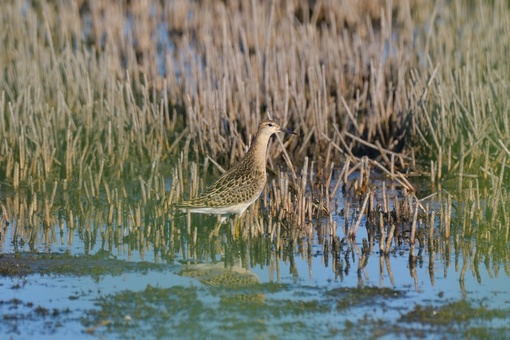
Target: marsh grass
[94,99]
[90,100]
[64,115]
[111,112]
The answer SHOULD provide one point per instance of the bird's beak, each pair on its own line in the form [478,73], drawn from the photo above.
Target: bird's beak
[288,131]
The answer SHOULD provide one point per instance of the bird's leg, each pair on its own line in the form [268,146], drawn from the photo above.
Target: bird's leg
[236,227]
[216,231]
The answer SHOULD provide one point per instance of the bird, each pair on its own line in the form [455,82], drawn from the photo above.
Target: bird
[236,282]
[235,190]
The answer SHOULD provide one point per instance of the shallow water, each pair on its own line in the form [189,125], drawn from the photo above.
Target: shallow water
[71,281]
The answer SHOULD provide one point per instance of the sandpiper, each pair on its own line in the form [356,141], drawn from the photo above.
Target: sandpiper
[236,189]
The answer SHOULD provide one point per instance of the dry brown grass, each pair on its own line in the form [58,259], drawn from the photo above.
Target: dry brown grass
[352,79]
[99,95]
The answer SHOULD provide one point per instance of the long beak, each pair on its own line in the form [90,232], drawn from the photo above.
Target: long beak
[287,131]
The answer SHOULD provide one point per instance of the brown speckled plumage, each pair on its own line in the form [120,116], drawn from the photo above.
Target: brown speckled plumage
[239,187]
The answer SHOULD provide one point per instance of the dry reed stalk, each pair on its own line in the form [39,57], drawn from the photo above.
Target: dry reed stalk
[5,214]
[413,226]
[389,239]
[371,204]
[382,230]
[386,208]
[354,230]
[432,224]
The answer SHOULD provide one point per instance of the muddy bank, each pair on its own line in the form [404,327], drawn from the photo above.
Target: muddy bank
[23,264]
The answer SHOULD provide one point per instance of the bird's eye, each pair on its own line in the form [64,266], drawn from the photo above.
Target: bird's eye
[270,124]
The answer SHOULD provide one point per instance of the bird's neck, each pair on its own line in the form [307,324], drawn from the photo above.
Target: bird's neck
[257,152]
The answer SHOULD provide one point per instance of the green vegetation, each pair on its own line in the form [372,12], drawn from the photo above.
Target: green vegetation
[89,104]
[110,112]
[87,97]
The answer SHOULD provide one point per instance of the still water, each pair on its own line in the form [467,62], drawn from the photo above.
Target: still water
[99,281]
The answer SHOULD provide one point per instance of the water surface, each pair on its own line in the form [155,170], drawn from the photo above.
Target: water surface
[156,280]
